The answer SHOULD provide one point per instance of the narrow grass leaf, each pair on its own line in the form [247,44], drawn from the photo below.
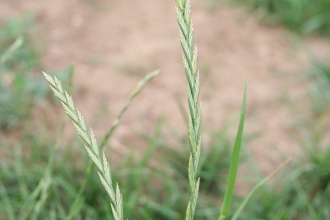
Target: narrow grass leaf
[255,188]
[10,51]
[234,162]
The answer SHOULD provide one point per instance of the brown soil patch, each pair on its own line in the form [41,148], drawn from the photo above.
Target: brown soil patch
[114,43]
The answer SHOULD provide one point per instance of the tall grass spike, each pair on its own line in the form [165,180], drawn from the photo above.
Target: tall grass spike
[90,144]
[190,65]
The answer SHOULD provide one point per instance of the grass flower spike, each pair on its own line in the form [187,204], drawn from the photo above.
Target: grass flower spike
[190,66]
[92,148]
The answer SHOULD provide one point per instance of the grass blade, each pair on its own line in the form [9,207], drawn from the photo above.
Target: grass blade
[7,204]
[256,187]
[234,162]
[9,52]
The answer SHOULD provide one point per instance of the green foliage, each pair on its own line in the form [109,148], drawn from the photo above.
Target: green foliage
[302,16]
[319,87]
[303,194]
[44,180]
[19,58]
[214,165]
[22,171]
[150,192]
[27,57]
[20,87]
[234,163]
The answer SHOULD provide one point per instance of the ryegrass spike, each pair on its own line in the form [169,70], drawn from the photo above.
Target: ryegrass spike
[190,65]
[107,136]
[90,144]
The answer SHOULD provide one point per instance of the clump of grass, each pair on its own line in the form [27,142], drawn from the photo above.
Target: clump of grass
[301,16]
[164,199]
[73,201]
[24,167]
[190,65]
[301,194]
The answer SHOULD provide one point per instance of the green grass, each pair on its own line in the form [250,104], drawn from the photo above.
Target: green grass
[21,85]
[302,16]
[19,58]
[164,199]
[318,80]
[303,190]
[97,156]
[27,57]
[303,194]
[44,178]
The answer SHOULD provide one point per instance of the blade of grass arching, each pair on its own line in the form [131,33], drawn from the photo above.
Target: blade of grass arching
[251,193]
[234,162]
[9,52]
[6,203]
[75,208]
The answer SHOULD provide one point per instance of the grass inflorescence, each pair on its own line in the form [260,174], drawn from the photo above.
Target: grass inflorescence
[92,148]
[190,65]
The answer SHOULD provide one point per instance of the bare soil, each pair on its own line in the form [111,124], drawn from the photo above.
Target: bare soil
[114,43]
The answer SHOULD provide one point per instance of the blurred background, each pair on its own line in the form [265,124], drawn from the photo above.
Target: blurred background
[100,49]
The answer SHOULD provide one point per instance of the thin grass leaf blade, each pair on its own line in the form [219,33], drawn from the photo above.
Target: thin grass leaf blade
[255,188]
[234,162]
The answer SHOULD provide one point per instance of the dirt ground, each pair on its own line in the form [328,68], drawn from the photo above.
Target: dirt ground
[114,43]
